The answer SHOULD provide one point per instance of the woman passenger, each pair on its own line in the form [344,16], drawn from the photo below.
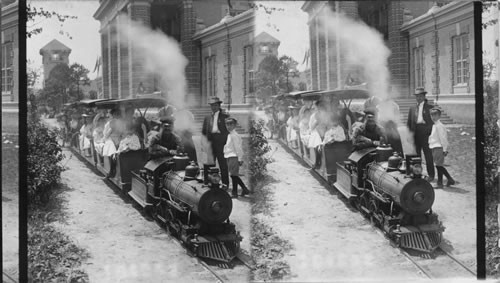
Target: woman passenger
[86,135]
[293,126]
[130,140]
[98,135]
[113,131]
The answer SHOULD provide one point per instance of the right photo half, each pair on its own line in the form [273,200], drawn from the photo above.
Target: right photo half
[363,141]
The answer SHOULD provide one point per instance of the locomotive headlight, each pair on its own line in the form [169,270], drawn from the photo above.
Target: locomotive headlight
[416,169]
[214,178]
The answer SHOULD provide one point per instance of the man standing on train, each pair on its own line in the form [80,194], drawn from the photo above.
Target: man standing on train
[420,124]
[165,143]
[214,129]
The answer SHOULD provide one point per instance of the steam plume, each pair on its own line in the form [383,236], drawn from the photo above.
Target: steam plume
[162,56]
[363,47]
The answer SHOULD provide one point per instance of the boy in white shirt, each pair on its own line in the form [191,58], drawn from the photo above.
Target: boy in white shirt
[438,143]
[233,153]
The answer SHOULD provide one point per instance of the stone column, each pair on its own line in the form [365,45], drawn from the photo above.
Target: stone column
[108,48]
[123,62]
[117,43]
[140,11]
[113,58]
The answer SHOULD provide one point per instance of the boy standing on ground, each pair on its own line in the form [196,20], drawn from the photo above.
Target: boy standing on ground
[438,143]
[233,152]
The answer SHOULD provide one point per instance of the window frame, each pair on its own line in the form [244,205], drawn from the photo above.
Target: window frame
[7,67]
[418,66]
[460,53]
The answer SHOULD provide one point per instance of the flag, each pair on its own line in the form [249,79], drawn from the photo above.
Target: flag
[306,58]
[97,65]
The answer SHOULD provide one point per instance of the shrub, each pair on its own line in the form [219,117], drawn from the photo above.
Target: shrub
[44,155]
[52,256]
[258,148]
[491,141]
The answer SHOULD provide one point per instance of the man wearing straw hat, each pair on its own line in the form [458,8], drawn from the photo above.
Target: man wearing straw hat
[420,123]
[214,129]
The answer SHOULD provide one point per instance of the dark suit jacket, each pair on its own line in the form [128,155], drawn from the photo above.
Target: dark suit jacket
[426,114]
[221,124]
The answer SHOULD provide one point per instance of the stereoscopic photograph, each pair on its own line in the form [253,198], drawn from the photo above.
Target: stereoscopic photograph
[251,141]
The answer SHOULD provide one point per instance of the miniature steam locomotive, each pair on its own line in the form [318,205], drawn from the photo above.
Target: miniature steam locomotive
[393,194]
[194,210]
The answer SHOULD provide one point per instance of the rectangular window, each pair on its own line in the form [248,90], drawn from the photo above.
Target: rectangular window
[249,71]
[7,61]
[418,60]
[460,59]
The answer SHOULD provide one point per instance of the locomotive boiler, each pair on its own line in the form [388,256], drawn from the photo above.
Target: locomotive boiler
[391,192]
[195,210]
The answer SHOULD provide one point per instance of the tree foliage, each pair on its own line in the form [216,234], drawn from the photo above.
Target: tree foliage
[259,148]
[64,84]
[44,155]
[487,6]
[491,140]
[33,14]
[273,76]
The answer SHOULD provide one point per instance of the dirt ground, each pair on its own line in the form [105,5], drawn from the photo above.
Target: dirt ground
[10,205]
[123,245]
[456,206]
[330,242]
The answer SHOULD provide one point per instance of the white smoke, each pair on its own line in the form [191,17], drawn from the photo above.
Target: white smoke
[362,47]
[162,57]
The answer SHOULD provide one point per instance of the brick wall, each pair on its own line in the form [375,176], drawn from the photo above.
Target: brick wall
[191,51]
[140,11]
[398,44]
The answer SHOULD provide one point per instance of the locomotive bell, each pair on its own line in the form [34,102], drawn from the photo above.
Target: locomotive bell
[384,152]
[394,161]
[192,170]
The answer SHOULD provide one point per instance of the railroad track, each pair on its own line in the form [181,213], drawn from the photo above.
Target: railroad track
[443,266]
[440,266]
[216,269]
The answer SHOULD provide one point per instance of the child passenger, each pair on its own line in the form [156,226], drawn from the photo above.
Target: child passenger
[233,152]
[335,133]
[438,143]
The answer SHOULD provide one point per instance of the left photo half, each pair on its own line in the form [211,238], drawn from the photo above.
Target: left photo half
[137,140]
[10,140]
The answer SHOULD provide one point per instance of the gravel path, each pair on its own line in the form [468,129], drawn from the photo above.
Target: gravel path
[123,245]
[331,242]
[10,205]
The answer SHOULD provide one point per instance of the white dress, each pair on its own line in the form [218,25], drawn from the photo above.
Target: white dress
[315,139]
[84,141]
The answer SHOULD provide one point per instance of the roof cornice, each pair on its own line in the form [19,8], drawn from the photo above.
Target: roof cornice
[447,9]
[234,21]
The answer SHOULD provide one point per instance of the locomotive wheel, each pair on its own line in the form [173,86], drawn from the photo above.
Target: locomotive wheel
[373,207]
[363,203]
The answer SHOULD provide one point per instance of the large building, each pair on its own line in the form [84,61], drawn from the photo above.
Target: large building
[201,28]
[10,53]
[431,44]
